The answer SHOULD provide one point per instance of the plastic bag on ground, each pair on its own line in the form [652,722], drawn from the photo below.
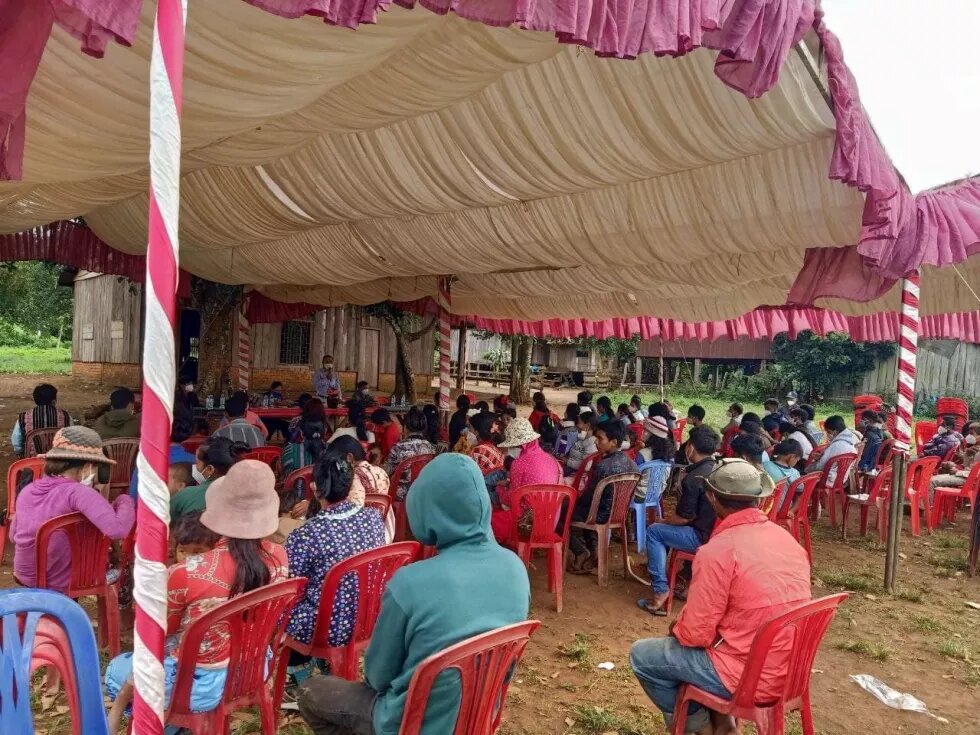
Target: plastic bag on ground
[891,697]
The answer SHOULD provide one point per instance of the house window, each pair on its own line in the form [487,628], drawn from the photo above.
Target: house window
[294,343]
[581,353]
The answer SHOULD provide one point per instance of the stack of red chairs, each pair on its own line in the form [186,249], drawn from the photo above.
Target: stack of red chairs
[954,407]
[868,402]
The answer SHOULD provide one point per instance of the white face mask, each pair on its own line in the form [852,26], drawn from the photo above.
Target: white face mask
[89,480]
[196,474]
[943,430]
[514,452]
[582,435]
[970,439]
[189,388]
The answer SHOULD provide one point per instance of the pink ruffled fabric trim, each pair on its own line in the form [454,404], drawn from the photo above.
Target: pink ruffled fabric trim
[71,244]
[263,310]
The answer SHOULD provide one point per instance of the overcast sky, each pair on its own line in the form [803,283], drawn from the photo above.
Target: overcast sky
[918,72]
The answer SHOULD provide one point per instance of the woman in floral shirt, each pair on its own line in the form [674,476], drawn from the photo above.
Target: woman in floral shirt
[411,446]
[336,529]
[242,508]
[368,478]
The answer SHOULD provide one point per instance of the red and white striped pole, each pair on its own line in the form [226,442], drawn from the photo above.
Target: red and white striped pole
[908,343]
[244,347]
[159,367]
[444,302]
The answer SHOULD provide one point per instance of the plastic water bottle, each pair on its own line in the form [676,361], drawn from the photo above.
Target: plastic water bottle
[210,402]
[222,404]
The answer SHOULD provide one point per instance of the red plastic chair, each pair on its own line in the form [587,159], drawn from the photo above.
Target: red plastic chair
[679,430]
[405,474]
[304,474]
[271,456]
[124,452]
[379,501]
[677,558]
[485,664]
[946,498]
[924,431]
[917,491]
[89,563]
[39,441]
[551,508]
[799,524]
[885,453]
[487,458]
[828,494]
[770,506]
[371,570]
[255,623]
[806,624]
[877,498]
[726,441]
[622,487]
[956,407]
[33,465]
[581,477]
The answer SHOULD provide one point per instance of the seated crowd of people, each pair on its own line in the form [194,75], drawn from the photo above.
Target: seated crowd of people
[235,527]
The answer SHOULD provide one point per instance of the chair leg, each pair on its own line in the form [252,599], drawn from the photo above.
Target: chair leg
[641,529]
[268,714]
[680,711]
[556,569]
[806,716]
[864,520]
[111,620]
[3,542]
[603,533]
[806,541]
[914,511]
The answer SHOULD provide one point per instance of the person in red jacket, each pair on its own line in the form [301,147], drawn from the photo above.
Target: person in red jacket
[748,572]
[387,431]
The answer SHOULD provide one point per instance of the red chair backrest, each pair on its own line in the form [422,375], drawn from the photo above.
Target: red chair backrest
[408,470]
[971,489]
[89,553]
[379,501]
[551,506]
[924,431]
[806,625]
[487,458]
[842,463]
[881,485]
[124,452]
[769,506]
[919,473]
[869,399]
[370,571]
[255,623]
[581,478]
[679,430]
[303,473]
[622,486]
[269,455]
[951,453]
[802,486]
[193,444]
[38,441]
[884,453]
[33,465]
[484,664]
[726,440]
[956,407]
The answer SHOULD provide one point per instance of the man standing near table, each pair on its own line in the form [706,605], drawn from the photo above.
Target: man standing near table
[326,384]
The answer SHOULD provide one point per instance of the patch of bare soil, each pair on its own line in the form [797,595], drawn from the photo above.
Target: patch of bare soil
[923,641]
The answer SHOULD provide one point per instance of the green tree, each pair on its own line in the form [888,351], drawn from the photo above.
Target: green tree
[815,363]
[31,298]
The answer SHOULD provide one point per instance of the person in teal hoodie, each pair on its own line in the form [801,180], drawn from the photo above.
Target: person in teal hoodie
[471,586]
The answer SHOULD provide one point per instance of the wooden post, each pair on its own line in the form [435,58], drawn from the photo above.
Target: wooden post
[639,370]
[461,360]
[696,378]
[663,388]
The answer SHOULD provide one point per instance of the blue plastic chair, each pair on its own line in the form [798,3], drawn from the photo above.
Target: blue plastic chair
[655,473]
[20,613]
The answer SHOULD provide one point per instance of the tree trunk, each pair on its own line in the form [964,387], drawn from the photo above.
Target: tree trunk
[461,360]
[404,375]
[520,368]
[218,305]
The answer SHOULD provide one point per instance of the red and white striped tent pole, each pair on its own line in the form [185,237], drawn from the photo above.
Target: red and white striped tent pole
[444,302]
[908,342]
[244,347]
[159,366]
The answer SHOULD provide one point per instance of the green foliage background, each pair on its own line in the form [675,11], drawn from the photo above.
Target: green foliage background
[34,310]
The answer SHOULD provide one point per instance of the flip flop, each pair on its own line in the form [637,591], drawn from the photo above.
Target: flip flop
[644,605]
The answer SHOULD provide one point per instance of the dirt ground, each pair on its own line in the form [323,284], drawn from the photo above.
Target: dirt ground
[923,641]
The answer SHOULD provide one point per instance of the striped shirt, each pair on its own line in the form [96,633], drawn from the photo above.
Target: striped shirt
[240,430]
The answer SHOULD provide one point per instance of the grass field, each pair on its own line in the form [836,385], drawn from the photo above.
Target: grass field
[22,360]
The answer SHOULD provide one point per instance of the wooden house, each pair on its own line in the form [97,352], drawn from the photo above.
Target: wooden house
[107,342]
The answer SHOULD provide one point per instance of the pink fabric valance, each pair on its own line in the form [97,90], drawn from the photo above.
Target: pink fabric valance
[76,246]
[263,310]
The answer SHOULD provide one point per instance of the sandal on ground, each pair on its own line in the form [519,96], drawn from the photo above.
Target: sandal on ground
[646,606]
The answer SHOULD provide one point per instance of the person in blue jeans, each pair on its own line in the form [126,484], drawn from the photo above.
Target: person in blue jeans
[690,524]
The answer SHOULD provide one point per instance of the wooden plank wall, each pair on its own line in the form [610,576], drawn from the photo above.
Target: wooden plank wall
[942,366]
[107,320]
[338,332]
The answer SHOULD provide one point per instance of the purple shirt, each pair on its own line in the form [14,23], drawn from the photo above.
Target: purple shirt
[47,498]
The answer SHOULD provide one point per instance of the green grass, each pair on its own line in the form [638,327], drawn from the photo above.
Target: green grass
[876,651]
[908,595]
[596,720]
[580,650]
[926,624]
[28,360]
[848,581]
[954,648]
[949,541]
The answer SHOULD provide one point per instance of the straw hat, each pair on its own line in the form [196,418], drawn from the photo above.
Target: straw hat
[736,478]
[78,443]
[518,433]
[243,504]
[656,425]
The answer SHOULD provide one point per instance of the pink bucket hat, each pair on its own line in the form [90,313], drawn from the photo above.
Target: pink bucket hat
[243,504]
[656,425]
